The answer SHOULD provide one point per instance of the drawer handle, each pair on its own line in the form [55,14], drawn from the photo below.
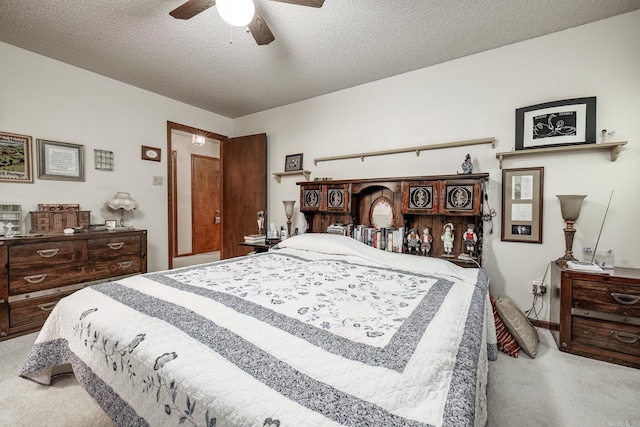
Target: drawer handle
[1,301]
[625,337]
[115,246]
[48,306]
[125,264]
[625,299]
[36,278]
[48,253]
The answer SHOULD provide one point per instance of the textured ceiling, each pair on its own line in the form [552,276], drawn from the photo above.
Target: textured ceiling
[205,63]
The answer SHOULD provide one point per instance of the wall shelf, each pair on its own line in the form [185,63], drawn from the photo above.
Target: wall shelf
[417,150]
[613,147]
[278,175]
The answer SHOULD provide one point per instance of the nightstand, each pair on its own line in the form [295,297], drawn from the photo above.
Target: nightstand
[598,314]
[260,247]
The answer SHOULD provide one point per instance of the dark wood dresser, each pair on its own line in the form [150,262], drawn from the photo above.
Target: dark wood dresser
[36,272]
[598,314]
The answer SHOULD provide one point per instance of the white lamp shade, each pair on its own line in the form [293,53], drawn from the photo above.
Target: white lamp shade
[236,12]
[570,206]
[122,200]
[288,207]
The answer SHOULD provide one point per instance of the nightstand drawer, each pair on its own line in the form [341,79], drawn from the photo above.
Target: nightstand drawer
[616,298]
[613,336]
[39,254]
[114,246]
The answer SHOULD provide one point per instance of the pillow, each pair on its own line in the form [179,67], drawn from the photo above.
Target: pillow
[506,342]
[518,324]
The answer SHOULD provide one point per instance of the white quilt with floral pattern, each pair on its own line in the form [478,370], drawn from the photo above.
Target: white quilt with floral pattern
[321,331]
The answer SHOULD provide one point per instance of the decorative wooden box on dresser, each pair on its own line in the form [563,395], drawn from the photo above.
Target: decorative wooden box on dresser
[37,271]
[598,314]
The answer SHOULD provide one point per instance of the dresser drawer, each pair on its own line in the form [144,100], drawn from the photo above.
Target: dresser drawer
[613,336]
[607,297]
[33,312]
[50,253]
[23,280]
[115,267]
[112,247]
[26,280]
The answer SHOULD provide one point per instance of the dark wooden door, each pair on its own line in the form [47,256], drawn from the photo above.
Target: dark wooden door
[205,204]
[244,190]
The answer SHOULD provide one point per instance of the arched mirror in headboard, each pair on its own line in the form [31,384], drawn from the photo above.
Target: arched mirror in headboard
[381,213]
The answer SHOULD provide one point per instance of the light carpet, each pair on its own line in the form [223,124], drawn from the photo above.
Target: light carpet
[554,390]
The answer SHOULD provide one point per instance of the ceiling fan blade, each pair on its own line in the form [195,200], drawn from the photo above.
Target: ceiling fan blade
[191,8]
[260,30]
[310,3]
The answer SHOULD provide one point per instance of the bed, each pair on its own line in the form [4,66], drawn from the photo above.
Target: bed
[319,331]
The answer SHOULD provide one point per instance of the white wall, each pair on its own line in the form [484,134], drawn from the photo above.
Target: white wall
[476,97]
[47,99]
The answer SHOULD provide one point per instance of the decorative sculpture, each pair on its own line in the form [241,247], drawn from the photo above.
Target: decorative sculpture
[427,238]
[448,238]
[467,165]
[413,242]
[470,239]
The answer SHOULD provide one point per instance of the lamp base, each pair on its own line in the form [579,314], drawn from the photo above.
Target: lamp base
[569,232]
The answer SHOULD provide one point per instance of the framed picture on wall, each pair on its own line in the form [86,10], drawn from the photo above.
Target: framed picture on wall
[151,153]
[293,162]
[566,122]
[522,195]
[15,158]
[60,161]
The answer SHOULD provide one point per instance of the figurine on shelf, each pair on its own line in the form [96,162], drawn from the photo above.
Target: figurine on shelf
[427,238]
[470,239]
[606,136]
[467,165]
[260,222]
[447,238]
[413,242]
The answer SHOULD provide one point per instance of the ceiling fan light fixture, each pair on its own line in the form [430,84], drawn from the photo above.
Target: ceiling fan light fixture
[238,13]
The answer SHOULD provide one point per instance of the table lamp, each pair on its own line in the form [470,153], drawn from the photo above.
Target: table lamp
[123,202]
[288,211]
[570,206]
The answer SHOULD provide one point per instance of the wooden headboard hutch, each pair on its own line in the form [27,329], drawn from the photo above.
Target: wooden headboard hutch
[415,203]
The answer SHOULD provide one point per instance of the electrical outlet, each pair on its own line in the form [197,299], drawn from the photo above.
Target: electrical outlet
[538,287]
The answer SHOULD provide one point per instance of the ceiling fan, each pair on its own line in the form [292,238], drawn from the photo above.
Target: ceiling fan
[257,27]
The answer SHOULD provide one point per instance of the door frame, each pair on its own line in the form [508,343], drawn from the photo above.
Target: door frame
[172,220]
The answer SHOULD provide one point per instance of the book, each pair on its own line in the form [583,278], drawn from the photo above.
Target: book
[255,238]
[584,266]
